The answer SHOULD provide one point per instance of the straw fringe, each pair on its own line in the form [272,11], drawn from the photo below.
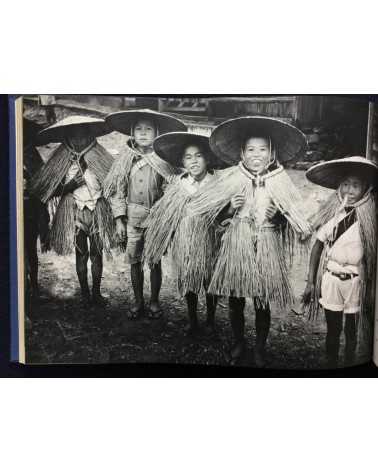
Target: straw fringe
[162,167]
[237,180]
[117,180]
[63,230]
[99,161]
[163,221]
[192,243]
[194,249]
[289,201]
[104,222]
[251,263]
[326,212]
[219,193]
[47,180]
[367,219]
[62,233]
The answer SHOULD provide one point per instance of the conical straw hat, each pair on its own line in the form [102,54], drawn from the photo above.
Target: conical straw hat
[330,174]
[228,138]
[123,121]
[171,146]
[84,125]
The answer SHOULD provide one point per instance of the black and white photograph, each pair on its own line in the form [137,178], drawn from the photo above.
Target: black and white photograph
[199,230]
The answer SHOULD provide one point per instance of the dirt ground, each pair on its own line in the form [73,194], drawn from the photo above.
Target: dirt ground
[61,332]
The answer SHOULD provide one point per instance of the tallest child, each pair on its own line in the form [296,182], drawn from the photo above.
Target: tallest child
[133,185]
[266,219]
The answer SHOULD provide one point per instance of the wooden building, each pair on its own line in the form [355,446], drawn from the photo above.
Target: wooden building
[345,117]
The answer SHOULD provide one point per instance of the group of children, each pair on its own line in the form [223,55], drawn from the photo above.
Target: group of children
[224,208]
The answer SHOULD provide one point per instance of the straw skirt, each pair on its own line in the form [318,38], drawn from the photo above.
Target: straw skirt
[193,251]
[252,263]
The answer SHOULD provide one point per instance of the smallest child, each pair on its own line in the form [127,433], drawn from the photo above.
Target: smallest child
[342,262]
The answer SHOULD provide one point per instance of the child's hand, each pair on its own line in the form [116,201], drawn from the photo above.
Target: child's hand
[271,211]
[73,184]
[78,180]
[120,231]
[309,293]
[237,201]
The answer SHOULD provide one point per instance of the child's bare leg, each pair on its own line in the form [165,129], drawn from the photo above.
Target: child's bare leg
[95,254]
[82,256]
[237,306]
[334,321]
[137,280]
[155,280]
[262,324]
[192,303]
[350,330]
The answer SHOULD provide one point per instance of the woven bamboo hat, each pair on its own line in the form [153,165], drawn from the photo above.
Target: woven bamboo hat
[330,174]
[84,125]
[228,138]
[171,147]
[123,121]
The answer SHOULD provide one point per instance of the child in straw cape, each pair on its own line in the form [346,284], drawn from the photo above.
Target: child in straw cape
[192,242]
[133,186]
[342,264]
[266,221]
[75,173]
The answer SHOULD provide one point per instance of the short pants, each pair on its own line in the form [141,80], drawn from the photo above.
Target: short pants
[135,244]
[84,220]
[340,295]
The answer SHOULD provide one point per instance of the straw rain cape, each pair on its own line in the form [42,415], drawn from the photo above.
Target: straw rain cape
[117,180]
[253,258]
[192,242]
[366,213]
[47,181]
[45,186]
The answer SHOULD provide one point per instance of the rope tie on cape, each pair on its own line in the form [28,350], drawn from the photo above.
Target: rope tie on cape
[75,157]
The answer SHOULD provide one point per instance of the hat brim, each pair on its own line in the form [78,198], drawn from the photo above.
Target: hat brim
[59,132]
[123,121]
[228,138]
[171,146]
[330,174]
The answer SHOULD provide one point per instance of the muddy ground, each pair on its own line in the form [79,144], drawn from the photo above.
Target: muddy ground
[62,332]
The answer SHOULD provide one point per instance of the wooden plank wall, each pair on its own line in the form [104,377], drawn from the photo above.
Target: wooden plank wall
[284,107]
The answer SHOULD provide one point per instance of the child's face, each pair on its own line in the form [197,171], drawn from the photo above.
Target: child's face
[194,161]
[353,188]
[79,142]
[256,154]
[144,133]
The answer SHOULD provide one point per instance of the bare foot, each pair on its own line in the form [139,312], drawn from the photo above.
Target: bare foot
[136,311]
[155,311]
